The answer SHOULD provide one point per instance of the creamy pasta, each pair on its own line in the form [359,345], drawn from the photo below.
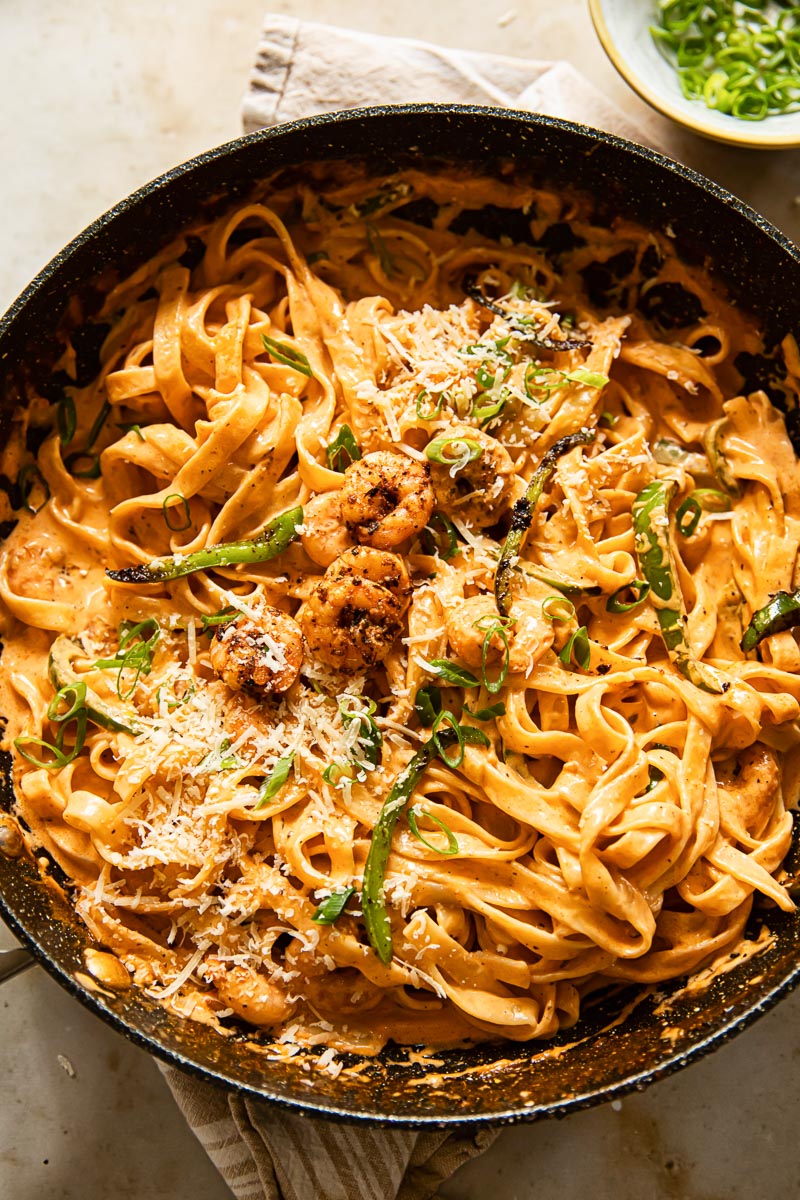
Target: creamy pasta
[373,615]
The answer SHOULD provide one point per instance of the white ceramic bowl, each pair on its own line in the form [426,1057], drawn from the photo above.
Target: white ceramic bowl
[623,27]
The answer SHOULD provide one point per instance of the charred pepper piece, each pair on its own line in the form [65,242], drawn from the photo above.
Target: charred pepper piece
[523,329]
[523,511]
[781,613]
[271,542]
[376,918]
[651,539]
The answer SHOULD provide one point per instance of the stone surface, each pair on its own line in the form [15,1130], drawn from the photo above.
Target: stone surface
[97,98]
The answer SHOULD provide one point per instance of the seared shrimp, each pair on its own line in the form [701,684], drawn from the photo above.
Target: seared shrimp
[387,498]
[355,612]
[262,653]
[326,536]
[481,489]
[529,634]
[252,996]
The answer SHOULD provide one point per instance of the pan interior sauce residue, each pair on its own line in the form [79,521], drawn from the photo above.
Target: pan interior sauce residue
[415,706]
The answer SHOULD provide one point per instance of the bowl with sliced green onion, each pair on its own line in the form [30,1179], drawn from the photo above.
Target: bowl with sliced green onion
[726,69]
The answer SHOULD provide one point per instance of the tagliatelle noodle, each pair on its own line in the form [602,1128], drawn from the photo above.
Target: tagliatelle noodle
[620,821]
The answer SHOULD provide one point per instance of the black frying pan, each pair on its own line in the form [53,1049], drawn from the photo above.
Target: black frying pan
[633,1036]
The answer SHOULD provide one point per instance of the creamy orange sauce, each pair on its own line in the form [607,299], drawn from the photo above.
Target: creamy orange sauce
[621,820]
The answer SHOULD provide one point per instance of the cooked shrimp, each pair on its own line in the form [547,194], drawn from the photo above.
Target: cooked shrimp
[387,498]
[481,489]
[529,634]
[252,996]
[325,534]
[355,612]
[262,653]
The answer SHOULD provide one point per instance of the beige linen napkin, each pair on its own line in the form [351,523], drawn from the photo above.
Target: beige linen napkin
[264,1153]
[303,68]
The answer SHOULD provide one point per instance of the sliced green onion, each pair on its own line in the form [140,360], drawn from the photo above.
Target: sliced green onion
[446,718]
[737,58]
[443,541]
[90,471]
[131,427]
[558,608]
[452,673]
[423,405]
[489,626]
[275,780]
[378,247]
[333,906]
[487,714]
[73,695]
[452,841]
[29,480]
[654,777]
[283,353]
[579,648]
[179,701]
[219,618]
[171,523]
[437,451]
[343,450]
[98,424]
[135,653]
[218,760]
[428,704]
[687,517]
[486,412]
[59,759]
[66,419]
[587,378]
[615,605]
[370,733]
[531,380]
[380,199]
[712,499]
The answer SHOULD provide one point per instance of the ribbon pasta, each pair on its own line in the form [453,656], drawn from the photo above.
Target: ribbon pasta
[627,797]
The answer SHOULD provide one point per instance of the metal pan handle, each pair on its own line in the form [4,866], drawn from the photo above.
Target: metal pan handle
[12,962]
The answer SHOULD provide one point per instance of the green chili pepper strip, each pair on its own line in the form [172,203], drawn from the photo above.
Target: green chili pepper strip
[719,463]
[782,612]
[376,918]
[522,515]
[651,539]
[271,542]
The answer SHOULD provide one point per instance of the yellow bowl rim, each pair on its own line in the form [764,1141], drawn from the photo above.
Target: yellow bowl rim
[675,111]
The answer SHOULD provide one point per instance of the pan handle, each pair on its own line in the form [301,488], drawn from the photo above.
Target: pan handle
[12,962]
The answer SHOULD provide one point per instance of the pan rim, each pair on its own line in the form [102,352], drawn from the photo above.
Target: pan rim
[321,1107]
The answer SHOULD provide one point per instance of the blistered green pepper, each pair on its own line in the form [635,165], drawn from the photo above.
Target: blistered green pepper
[523,511]
[782,612]
[651,539]
[271,542]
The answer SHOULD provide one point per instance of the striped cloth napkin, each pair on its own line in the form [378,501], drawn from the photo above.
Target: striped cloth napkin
[265,1153]
[303,68]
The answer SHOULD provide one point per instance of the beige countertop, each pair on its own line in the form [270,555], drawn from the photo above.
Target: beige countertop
[97,97]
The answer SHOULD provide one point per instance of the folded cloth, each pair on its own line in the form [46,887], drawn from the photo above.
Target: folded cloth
[264,1153]
[303,68]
